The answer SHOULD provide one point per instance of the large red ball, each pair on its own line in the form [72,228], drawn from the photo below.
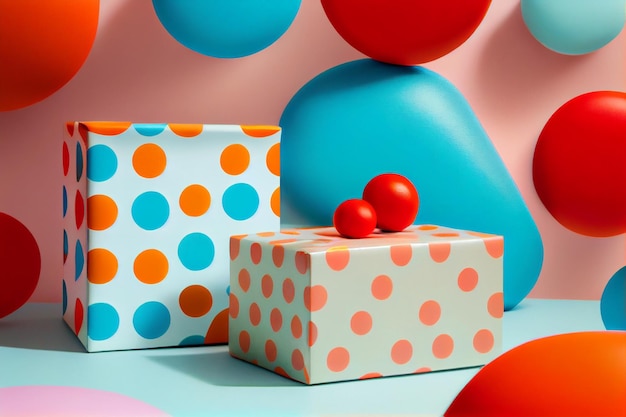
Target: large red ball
[579,165]
[395,200]
[405,32]
[355,218]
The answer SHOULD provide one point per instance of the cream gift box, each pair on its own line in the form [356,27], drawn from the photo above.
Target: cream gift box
[148,210]
[316,307]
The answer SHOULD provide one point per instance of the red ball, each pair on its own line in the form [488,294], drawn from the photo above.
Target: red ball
[405,32]
[355,218]
[579,165]
[394,199]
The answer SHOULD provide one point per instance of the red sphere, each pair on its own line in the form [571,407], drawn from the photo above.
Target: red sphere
[394,199]
[579,165]
[355,218]
[405,32]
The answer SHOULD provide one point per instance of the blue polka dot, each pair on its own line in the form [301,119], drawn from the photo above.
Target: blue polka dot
[196,251]
[64,297]
[151,320]
[240,201]
[149,129]
[79,260]
[102,163]
[103,321]
[79,161]
[613,302]
[194,340]
[228,290]
[150,210]
[64,201]
[66,245]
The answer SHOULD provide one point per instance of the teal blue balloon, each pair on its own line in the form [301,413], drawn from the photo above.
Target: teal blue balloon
[613,302]
[364,118]
[226,28]
[574,27]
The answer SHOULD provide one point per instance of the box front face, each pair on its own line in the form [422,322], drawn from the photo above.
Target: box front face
[161,203]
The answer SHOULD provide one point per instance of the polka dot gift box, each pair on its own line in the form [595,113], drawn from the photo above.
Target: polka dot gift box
[148,211]
[316,307]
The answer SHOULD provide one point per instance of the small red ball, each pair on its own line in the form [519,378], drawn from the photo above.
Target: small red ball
[354,218]
[394,199]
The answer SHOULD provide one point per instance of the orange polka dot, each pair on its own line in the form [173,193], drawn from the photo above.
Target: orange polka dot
[101,266]
[276,319]
[272,159]
[270,350]
[494,246]
[244,279]
[266,234]
[338,359]
[361,323]
[495,305]
[443,345]
[151,266]
[312,336]
[422,370]
[337,257]
[101,212]
[401,254]
[483,341]
[297,360]
[401,352]
[194,200]
[296,327]
[446,234]
[281,242]
[382,286]
[149,160]
[244,341]
[235,159]
[186,130]
[254,313]
[315,297]
[289,290]
[235,245]
[430,312]
[302,262]
[233,305]
[259,131]
[290,232]
[267,285]
[256,253]
[278,255]
[467,279]
[106,128]
[371,375]
[426,227]
[275,202]
[195,300]
[218,330]
[439,252]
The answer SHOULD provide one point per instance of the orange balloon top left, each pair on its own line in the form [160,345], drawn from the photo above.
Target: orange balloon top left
[43,44]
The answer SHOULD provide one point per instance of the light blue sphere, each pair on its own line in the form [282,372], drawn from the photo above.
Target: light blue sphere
[574,27]
[364,118]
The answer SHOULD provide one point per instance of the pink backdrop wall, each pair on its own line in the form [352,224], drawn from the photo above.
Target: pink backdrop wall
[137,72]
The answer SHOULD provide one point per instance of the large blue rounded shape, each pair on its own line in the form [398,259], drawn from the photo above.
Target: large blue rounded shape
[574,27]
[613,302]
[364,118]
[226,28]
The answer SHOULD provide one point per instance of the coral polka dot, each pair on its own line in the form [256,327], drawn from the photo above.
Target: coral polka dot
[467,279]
[233,308]
[382,286]
[272,159]
[401,254]
[244,279]
[447,234]
[267,285]
[337,257]
[302,262]
[235,245]
[276,319]
[495,305]
[244,341]
[297,360]
[494,246]
[275,202]
[430,312]
[315,297]
[483,341]
[194,200]
[361,323]
[195,300]
[235,159]
[296,327]
[312,333]
[270,350]
[149,160]
[439,251]
[256,253]
[102,266]
[401,352]
[338,359]
[255,314]
[371,375]
[427,227]
[102,212]
[151,266]
[278,255]
[442,346]
[422,370]
[289,290]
